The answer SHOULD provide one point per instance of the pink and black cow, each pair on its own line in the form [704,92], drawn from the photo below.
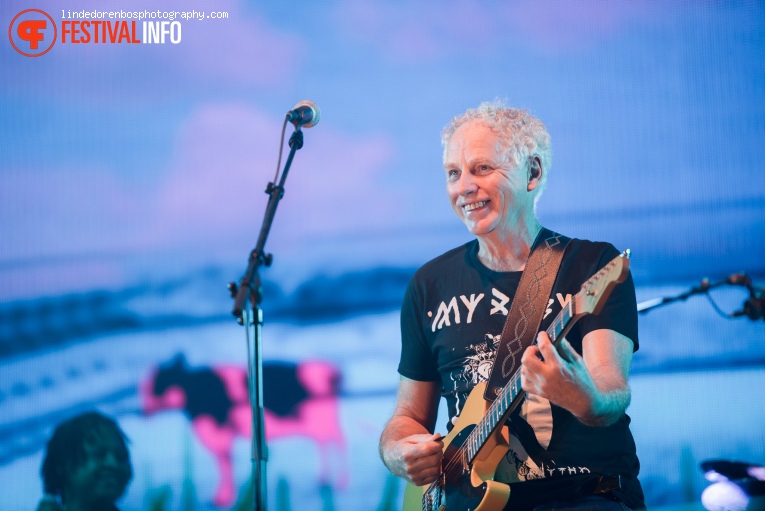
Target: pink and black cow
[299,399]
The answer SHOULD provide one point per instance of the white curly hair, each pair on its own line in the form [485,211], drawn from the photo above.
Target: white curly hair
[521,134]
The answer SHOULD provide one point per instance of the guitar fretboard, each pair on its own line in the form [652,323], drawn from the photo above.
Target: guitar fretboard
[506,399]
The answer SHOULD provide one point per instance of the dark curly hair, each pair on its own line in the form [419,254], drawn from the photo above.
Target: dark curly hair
[65,450]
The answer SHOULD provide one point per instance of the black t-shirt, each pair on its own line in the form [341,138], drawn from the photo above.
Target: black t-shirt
[451,323]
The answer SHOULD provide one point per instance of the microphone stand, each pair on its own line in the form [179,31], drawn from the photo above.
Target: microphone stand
[704,287]
[247,299]
[753,308]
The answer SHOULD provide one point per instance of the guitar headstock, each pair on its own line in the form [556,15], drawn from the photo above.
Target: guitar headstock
[594,293]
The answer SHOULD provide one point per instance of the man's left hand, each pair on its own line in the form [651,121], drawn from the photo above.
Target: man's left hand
[559,375]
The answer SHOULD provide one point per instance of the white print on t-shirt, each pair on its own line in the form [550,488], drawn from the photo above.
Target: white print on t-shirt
[517,465]
[442,315]
[470,304]
[476,368]
[562,301]
[499,306]
[450,310]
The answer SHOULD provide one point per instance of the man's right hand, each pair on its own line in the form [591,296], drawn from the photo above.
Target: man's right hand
[416,458]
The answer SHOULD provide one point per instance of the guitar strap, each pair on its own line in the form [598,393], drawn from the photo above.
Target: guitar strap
[527,309]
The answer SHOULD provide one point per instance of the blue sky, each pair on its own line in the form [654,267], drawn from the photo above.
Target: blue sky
[656,110]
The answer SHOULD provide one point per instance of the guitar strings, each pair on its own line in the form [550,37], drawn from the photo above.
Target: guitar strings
[461,453]
[462,449]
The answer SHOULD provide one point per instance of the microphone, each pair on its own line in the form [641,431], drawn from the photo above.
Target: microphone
[739,279]
[753,308]
[305,114]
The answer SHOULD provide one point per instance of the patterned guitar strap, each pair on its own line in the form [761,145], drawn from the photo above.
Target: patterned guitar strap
[527,309]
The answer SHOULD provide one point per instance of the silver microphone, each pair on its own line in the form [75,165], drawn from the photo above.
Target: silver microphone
[305,114]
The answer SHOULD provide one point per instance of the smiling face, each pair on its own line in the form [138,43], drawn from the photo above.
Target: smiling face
[487,193]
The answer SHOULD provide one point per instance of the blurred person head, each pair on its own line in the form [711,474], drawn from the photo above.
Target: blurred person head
[86,464]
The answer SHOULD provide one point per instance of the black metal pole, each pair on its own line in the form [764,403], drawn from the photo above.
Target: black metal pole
[703,287]
[247,299]
[753,307]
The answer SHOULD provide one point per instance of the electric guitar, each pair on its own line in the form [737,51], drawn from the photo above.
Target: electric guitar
[480,438]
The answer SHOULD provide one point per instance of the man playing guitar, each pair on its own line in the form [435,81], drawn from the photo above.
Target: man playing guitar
[568,443]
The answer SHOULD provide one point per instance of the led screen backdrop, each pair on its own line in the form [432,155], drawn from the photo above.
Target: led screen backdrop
[132,173]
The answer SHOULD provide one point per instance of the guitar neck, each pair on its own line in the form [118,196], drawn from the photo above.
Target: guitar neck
[512,393]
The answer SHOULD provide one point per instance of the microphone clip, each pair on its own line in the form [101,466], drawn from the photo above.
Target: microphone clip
[754,306]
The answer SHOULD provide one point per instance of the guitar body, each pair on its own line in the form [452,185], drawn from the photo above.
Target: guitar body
[473,487]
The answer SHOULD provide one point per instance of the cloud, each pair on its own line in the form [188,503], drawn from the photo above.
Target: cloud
[225,155]
[211,191]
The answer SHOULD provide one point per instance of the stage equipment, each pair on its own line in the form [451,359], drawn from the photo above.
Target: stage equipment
[753,307]
[305,114]
[737,486]
[248,297]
